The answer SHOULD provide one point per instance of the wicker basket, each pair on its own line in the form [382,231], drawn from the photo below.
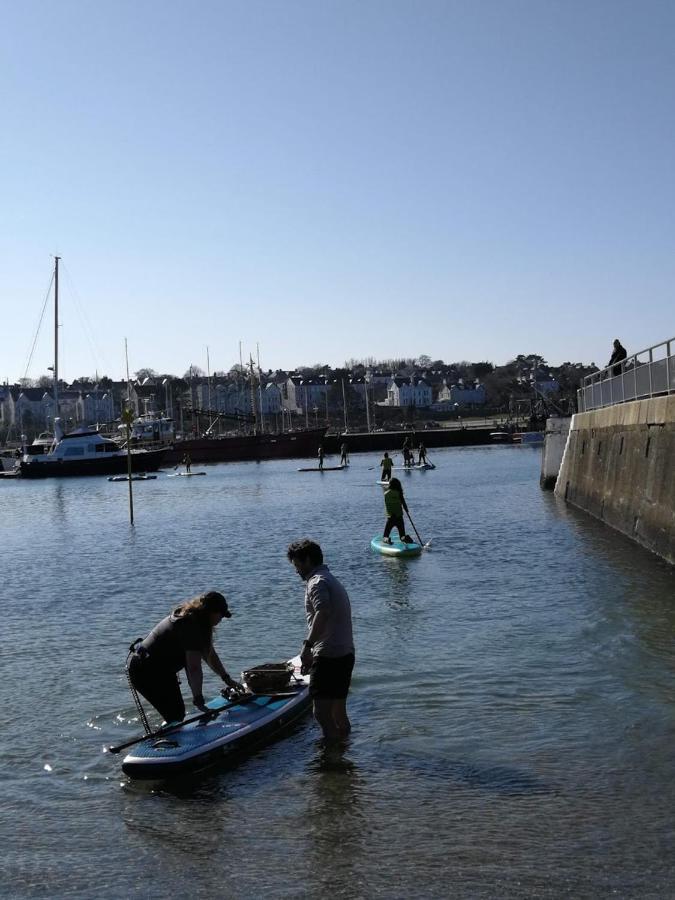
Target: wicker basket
[268,677]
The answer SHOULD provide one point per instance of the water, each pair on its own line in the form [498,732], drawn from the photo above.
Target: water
[513,701]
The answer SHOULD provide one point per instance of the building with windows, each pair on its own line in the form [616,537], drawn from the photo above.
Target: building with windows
[409,392]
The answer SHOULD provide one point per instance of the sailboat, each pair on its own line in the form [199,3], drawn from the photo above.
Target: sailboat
[83,451]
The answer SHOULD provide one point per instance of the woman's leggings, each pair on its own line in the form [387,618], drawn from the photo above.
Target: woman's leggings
[160,688]
[394,522]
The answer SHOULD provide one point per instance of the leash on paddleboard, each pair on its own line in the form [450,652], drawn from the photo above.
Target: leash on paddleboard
[134,693]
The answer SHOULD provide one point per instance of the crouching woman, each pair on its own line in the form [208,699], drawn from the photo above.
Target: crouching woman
[180,641]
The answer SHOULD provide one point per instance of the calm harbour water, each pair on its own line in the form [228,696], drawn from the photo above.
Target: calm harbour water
[513,701]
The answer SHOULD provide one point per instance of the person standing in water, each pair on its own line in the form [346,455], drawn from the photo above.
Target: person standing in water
[182,640]
[394,504]
[328,650]
[386,465]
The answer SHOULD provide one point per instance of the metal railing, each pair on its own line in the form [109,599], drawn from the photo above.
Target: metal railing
[649,373]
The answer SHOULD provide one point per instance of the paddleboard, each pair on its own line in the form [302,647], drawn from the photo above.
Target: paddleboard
[325,469]
[243,727]
[133,477]
[396,548]
[408,468]
[185,474]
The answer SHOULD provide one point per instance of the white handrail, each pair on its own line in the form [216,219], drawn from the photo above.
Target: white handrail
[637,379]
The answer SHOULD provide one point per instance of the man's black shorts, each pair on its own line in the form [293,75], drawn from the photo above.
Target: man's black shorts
[330,677]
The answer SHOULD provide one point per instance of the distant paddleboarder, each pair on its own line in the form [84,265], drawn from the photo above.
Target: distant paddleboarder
[344,454]
[187,462]
[407,452]
[320,454]
[422,451]
[386,464]
[394,504]
[180,641]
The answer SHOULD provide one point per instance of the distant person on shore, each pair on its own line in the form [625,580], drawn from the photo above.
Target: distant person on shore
[187,462]
[180,641]
[320,454]
[344,454]
[618,356]
[394,504]
[386,464]
[328,650]
[422,451]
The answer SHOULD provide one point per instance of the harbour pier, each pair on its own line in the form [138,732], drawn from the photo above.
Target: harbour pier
[618,458]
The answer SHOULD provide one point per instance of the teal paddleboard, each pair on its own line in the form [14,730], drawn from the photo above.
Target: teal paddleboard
[396,548]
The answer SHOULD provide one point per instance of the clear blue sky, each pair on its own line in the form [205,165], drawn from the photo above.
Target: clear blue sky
[469,180]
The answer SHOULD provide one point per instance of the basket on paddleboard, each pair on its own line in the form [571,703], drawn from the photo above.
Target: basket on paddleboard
[268,677]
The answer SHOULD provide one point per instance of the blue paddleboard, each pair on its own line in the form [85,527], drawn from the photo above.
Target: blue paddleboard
[239,728]
[396,548]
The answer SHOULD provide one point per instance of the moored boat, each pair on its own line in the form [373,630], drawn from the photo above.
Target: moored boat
[86,452]
[243,447]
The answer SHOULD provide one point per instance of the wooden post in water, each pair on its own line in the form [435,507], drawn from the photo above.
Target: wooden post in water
[127,418]
[56,340]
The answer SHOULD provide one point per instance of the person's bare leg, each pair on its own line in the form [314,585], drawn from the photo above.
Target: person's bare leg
[323,713]
[340,717]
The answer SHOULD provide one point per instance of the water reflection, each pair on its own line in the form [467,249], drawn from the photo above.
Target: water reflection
[396,585]
[337,834]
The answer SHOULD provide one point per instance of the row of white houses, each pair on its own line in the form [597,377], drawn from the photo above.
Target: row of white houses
[32,408]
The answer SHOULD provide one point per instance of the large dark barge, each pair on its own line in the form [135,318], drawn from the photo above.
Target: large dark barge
[237,448]
[363,442]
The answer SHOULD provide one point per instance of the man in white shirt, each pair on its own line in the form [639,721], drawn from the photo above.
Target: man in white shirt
[328,650]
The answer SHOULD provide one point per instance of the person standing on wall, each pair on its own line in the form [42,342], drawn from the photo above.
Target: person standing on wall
[328,650]
[618,355]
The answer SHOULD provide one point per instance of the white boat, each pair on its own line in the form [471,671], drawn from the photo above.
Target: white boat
[83,451]
[152,428]
[86,452]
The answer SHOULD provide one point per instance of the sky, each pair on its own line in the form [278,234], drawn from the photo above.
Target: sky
[334,180]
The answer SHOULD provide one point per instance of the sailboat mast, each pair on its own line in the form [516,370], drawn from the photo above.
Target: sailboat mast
[56,336]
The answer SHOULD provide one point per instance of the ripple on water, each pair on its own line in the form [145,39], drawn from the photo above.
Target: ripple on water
[513,699]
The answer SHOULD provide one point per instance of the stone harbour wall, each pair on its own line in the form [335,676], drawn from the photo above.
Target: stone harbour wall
[619,466]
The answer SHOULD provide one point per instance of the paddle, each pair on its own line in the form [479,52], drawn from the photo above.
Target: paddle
[170,729]
[200,717]
[422,544]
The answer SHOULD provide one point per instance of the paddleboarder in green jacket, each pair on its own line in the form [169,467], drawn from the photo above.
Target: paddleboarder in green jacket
[394,504]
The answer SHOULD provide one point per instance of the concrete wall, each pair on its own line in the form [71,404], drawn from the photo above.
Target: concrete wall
[555,441]
[619,465]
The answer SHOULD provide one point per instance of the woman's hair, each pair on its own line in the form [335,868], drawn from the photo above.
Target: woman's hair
[305,549]
[203,605]
[395,484]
